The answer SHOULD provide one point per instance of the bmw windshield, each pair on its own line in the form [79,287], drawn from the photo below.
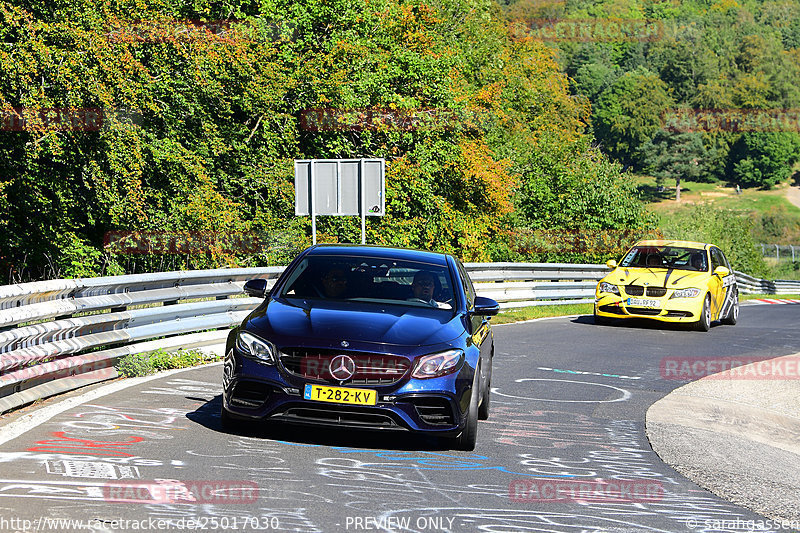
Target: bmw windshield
[367,279]
[675,257]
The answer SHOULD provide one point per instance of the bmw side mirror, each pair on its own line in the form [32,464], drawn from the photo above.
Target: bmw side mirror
[485,306]
[611,264]
[721,271]
[256,288]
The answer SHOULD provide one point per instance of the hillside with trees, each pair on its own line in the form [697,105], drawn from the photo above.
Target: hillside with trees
[205,106]
[170,118]
[732,66]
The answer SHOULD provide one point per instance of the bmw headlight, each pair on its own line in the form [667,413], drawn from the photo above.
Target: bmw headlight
[254,347]
[608,287]
[686,293]
[437,364]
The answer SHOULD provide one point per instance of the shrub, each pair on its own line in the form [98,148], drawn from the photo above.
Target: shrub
[133,365]
[142,364]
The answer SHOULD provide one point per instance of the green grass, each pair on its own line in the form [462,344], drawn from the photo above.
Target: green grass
[770,296]
[716,194]
[541,311]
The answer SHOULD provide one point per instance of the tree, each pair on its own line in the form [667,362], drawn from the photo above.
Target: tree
[675,156]
[592,79]
[630,113]
[763,159]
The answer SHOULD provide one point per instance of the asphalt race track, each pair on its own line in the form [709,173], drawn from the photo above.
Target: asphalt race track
[568,406]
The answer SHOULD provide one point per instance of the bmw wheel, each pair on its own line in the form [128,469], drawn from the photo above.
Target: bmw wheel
[704,324]
[733,314]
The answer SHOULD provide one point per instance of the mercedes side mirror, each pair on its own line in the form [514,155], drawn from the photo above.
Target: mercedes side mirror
[485,306]
[256,288]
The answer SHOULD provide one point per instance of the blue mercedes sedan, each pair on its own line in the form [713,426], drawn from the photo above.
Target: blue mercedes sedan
[365,337]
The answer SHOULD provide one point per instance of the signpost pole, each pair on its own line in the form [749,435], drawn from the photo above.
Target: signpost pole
[311,200]
[362,199]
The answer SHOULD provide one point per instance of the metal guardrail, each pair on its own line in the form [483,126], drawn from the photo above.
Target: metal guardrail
[529,284]
[59,335]
[62,334]
[750,285]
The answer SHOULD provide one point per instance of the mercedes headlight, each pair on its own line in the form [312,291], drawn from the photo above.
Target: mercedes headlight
[686,293]
[437,364]
[608,287]
[254,347]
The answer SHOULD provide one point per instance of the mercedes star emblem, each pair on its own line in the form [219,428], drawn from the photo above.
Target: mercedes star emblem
[342,367]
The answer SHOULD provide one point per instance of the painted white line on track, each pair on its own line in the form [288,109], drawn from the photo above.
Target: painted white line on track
[25,423]
[626,395]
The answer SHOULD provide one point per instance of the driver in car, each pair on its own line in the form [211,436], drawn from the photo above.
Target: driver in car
[423,288]
[334,283]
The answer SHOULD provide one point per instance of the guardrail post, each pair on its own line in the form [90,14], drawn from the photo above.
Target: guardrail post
[777,253]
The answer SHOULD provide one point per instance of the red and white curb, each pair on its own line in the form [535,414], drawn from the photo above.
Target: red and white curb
[761,301]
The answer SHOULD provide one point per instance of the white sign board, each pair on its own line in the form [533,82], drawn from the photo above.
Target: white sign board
[340,187]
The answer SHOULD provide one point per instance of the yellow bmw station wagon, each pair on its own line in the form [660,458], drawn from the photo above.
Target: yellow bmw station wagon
[670,281]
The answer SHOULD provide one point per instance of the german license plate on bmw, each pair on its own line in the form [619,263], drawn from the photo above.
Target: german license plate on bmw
[643,302]
[322,393]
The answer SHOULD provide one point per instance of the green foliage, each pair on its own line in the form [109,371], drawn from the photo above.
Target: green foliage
[142,364]
[776,226]
[162,360]
[629,114]
[579,188]
[764,159]
[135,365]
[675,156]
[724,55]
[201,125]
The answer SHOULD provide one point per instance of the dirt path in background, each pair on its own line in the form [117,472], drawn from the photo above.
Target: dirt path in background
[793,195]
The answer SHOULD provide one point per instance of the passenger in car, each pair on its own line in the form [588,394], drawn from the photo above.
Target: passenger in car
[699,262]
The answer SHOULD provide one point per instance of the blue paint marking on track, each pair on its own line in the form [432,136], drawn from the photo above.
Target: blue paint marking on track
[428,461]
[583,373]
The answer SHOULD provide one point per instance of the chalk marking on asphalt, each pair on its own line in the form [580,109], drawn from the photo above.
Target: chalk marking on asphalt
[584,373]
[626,395]
[25,423]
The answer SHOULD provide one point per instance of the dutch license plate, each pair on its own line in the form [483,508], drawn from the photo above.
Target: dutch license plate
[643,302]
[321,393]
